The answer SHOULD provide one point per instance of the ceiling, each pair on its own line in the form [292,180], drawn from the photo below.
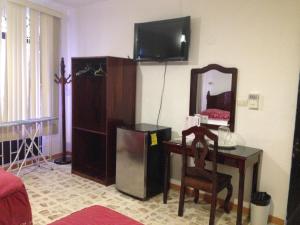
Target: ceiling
[74,3]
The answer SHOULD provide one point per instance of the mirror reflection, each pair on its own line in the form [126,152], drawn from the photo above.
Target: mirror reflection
[213,95]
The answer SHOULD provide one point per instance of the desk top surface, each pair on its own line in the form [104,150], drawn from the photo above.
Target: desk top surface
[242,152]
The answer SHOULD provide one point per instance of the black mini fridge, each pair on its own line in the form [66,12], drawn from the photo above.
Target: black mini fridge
[140,159]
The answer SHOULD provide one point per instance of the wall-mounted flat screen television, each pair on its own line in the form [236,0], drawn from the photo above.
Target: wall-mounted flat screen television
[164,40]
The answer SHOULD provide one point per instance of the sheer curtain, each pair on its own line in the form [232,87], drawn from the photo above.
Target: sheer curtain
[49,53]
[31,59]
[47,72]
[16,77]
[2,62]
[35,62]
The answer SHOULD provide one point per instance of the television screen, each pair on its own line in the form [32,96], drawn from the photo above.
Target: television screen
[165,40]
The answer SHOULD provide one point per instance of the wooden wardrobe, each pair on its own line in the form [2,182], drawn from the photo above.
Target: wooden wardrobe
[103,97]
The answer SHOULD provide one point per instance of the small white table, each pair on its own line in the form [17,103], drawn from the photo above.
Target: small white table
[25,134]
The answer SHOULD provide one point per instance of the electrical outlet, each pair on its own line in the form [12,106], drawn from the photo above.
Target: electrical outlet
[253,101]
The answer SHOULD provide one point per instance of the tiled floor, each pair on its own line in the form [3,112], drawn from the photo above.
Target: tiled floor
[55,194]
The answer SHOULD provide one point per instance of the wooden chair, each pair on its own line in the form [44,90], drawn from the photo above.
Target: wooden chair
[197,176]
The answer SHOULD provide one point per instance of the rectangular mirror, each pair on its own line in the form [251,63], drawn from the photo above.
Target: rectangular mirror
[213,95]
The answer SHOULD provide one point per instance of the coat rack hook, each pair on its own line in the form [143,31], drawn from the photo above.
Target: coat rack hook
[62,80]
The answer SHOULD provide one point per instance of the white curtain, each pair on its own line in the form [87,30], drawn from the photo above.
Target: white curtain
[34,78]
[1,62]
[47,70]
[32,59]
[16,79]
[49,51]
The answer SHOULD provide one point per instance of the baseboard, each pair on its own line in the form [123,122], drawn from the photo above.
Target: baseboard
[246,211]
[276,220]
[30,161]
[59,155]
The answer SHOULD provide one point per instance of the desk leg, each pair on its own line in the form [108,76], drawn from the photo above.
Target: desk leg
[167,176]
[255,177]
[241,194]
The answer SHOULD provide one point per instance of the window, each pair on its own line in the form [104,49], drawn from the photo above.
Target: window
[27,63]
[3,52]
[3,26]
[27,66]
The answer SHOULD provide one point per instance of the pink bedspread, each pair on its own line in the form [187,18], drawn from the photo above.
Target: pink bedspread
[14,203]
[216,114]
[96,215]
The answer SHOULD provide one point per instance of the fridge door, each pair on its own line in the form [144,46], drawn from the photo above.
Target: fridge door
[131,163]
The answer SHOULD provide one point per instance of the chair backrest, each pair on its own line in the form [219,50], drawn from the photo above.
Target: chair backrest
[200,150]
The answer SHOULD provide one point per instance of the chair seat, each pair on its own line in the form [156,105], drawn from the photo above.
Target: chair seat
[203,183]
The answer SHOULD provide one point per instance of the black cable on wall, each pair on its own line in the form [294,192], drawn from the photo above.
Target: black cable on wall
[162,93]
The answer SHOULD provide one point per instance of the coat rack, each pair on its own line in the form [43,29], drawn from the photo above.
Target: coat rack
[62,80]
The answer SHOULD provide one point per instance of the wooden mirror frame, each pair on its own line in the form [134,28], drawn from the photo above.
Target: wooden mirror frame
[193,91]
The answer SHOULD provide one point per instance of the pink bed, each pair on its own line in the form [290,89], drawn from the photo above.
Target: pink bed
[218,106]
[96,215]
[216,114]
[14,203]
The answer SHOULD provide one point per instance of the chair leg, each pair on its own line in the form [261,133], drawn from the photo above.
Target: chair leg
[227,199]
[181,200]
[196,195]
[213,209]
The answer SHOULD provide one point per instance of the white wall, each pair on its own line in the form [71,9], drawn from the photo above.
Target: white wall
[259,37]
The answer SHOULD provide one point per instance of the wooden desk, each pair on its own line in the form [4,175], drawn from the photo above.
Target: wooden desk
[242,157]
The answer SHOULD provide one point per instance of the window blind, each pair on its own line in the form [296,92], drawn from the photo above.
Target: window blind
[29,58]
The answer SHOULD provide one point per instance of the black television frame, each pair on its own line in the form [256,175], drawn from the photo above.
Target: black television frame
[186,19]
